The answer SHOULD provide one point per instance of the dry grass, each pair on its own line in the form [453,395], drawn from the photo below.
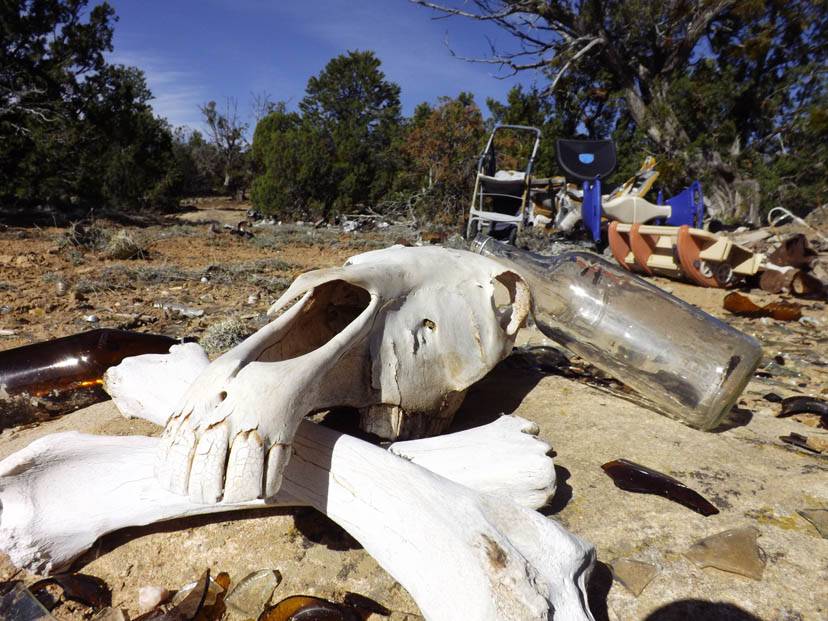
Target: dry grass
[123,245]
[275,237]
[90,236]
[221,336]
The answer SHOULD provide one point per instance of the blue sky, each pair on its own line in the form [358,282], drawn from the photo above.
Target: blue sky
[194,51]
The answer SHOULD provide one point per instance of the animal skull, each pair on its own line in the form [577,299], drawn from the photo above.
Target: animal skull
[399,333]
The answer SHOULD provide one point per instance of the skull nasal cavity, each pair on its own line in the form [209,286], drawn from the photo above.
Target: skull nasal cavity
[331,308]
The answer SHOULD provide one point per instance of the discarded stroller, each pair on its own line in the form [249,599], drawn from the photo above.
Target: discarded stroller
[501,194]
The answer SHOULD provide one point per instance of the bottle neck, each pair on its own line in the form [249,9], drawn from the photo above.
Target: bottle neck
[478,244]
[530,264]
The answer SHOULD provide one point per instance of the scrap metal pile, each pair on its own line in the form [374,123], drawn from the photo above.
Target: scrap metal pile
[666,238]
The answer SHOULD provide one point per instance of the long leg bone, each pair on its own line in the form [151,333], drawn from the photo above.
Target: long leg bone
[453,548]
[65,490]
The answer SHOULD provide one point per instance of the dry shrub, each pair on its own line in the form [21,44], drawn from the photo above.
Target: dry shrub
[122,245]
[223,335]
[90,236]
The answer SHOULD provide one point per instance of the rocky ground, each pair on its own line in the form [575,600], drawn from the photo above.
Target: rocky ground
[55,281]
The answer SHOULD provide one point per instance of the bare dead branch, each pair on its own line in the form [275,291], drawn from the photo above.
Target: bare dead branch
[482,17]
[592,43]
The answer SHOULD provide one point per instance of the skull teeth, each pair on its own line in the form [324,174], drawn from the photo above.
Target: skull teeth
[245,468]
[277,458]
[209,461]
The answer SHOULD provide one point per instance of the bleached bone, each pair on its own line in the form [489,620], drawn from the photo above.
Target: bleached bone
[490,458]
[146,386]
[45,479]
[491,559]
[454,549]
[399,333]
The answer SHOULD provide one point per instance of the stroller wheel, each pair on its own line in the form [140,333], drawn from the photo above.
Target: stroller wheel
[503,232]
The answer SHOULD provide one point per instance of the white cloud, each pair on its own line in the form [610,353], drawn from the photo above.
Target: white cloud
[177,93]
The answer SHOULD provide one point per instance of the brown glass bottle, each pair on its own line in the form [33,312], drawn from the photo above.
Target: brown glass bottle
[54,368]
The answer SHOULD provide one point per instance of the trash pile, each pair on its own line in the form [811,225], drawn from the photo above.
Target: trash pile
[666,238]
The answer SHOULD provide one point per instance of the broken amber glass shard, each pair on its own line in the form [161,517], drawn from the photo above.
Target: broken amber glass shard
[633,575]
[817,517]
[732,550]
[805,405]
[73,362]
[223,580]
[743,306]
[633,477]
[88,590]
[308,608]
[816,444]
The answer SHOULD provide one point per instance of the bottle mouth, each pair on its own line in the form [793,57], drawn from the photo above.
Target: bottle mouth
[479,243]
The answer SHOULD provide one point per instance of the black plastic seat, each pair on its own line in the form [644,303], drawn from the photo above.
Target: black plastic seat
[586,160]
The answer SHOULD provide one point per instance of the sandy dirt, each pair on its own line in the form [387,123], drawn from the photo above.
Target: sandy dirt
[743,468]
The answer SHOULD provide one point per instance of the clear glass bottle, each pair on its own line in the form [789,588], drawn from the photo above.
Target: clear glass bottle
[690,365]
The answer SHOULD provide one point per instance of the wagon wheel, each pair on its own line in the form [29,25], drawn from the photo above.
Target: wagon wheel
[695,268]
[724,275]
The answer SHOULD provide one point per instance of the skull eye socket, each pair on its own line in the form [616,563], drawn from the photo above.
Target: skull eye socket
[331,308]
